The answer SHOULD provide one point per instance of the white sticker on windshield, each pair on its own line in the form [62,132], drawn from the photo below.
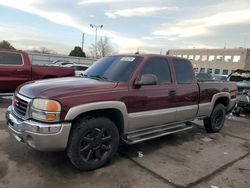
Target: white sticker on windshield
[130,59]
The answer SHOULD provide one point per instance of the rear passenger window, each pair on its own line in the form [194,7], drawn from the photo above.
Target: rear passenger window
[10,58]
[158,67]
[183,71]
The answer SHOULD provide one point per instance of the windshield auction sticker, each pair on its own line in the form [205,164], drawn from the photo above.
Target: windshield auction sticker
[130,59]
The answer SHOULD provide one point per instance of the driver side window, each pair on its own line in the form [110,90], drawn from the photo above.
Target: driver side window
[158,67]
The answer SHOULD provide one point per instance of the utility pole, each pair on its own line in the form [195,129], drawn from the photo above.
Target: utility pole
[82,41]
[96,28]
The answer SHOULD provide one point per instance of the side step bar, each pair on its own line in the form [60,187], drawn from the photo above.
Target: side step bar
[147,134]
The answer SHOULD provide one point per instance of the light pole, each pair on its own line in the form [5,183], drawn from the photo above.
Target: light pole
[82,41]
[96,28]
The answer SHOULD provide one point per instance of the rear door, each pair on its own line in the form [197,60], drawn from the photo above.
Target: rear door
[152,105]
[187,91]
[13,71]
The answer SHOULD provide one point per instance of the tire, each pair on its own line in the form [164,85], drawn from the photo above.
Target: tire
[215,122]
[92,143]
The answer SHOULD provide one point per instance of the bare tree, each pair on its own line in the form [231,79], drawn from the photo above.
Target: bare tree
[44,50]
[103,48]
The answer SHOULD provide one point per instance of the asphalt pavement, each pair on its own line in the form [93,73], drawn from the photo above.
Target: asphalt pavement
[192,158]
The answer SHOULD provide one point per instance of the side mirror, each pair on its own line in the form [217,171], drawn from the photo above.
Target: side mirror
[146,79]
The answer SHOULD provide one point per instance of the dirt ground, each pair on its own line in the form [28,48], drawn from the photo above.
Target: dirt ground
[188,159]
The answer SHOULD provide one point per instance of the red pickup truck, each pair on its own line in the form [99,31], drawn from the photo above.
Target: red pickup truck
[16,69]
[129,98]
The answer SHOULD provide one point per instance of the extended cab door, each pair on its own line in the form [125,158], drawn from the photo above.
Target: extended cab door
[152,105]
[13,71]
[187,91]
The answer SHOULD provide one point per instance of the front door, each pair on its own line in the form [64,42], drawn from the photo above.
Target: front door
[152,105]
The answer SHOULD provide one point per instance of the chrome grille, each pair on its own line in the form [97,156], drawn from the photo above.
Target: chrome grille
[20,105]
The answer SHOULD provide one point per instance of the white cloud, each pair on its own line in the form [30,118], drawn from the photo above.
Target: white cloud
[29,41]
[140,11]
[98,1]
[195,44]
[66,19]
[203,26]
[105,1]
[2,29]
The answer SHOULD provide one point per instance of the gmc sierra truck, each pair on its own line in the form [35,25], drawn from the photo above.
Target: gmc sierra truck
[16,69]
[121,98]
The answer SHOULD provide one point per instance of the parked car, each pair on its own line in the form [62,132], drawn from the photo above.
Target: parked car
[242,103]
[203,76]
[243,100]
[132,98]
[80,69]
[220,77]
[60,63]
[16,69]
[242,79]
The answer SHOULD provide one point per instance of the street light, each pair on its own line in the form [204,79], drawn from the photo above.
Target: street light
[96,28]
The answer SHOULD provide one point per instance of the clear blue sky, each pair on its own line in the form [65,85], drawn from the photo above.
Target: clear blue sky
[150,25]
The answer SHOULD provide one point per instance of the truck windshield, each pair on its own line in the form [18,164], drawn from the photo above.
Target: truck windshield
[113,68]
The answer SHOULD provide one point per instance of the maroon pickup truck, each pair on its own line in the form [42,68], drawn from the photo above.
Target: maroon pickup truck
[16,69]
[128,98]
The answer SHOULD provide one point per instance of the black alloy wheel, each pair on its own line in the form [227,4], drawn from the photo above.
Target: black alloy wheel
[92,142]
[95,144]
[215,122]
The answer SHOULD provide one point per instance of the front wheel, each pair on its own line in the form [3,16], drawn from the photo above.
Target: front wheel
[215,122]
[92,143]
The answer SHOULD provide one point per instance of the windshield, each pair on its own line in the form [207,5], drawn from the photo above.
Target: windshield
[113,68]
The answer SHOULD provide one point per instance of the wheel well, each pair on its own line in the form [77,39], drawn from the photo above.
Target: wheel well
[222,100]
[113,114]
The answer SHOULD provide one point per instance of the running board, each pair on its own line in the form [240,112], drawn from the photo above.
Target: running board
[147,134]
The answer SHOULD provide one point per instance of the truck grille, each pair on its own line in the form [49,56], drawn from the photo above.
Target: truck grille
[20,105]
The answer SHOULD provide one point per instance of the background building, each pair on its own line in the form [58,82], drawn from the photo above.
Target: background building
[215,61]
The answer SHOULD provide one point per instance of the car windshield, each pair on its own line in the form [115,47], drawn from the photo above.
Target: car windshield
[204,76]
[113,68]
[223,78]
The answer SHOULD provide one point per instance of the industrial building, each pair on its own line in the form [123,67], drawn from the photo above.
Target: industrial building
[215,61]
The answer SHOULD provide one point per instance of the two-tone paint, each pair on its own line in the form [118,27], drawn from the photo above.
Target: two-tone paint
[133,109]
[140,108]
[11,76]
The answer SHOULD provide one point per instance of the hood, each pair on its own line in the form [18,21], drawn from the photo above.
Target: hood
[62,87]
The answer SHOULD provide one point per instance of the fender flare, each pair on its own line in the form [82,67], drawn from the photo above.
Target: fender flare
[80,109]
[215,98]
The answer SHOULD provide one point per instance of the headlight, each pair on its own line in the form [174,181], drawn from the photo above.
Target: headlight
[45,110]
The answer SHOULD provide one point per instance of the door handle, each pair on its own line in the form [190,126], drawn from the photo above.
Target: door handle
[19,70]
[172,93]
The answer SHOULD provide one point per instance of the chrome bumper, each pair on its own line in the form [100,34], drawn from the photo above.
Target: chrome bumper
[40,136]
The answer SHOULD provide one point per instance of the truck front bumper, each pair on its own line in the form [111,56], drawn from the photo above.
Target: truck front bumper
[38,135]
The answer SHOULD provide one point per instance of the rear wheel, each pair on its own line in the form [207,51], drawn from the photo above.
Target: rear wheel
[92,143]
[215,122]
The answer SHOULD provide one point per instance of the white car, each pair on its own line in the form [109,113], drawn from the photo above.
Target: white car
[60,63]
[80,69]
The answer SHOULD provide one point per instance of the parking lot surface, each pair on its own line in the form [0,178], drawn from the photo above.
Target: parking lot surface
[187,159]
